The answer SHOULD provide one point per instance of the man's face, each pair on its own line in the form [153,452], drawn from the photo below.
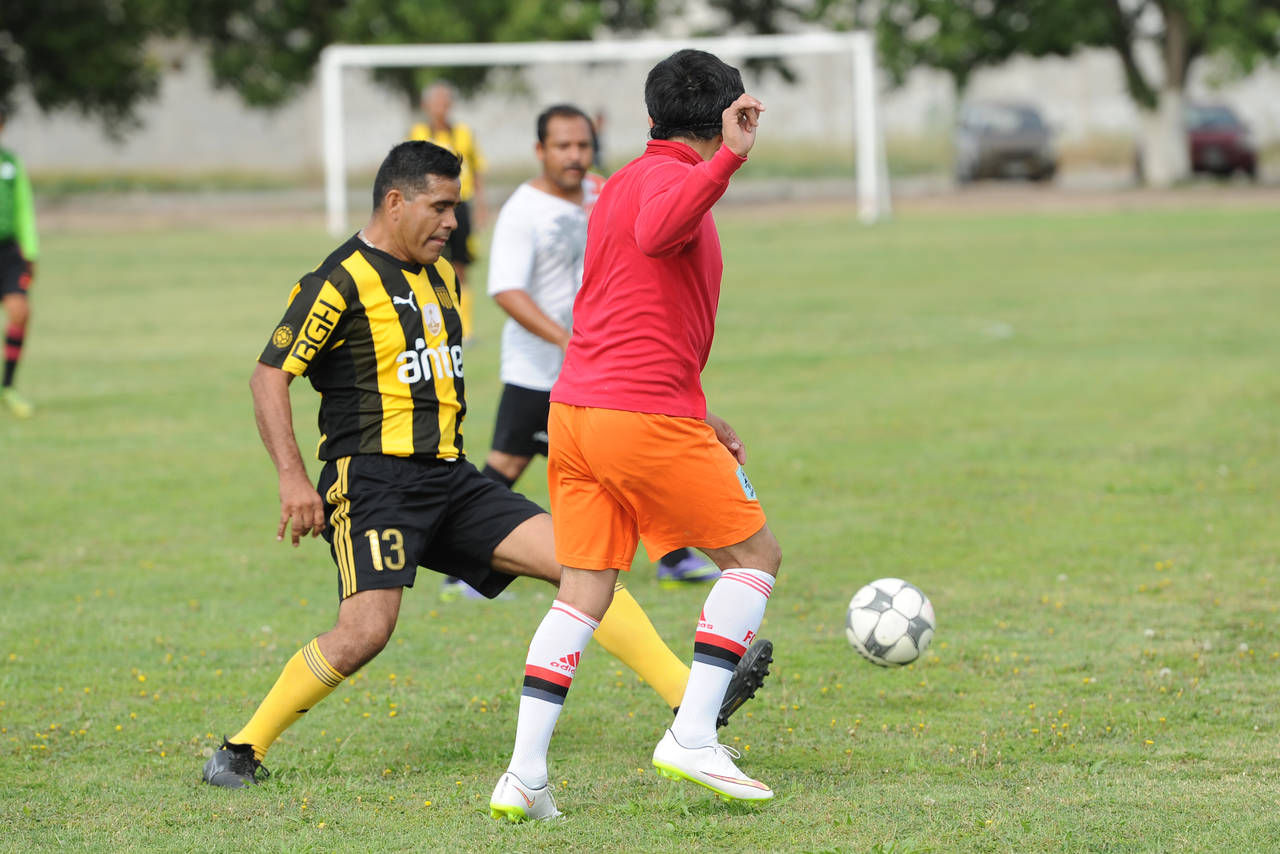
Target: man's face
[566,154]
[421,225]
[437,103]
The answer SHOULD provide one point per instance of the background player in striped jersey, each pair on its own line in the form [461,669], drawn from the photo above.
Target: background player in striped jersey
[376,330]
[18,249]
[535,271]
[634,453]
[472,212]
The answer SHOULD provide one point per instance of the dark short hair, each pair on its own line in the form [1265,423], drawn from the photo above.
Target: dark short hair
[562,111]
[687,92]
[407,168]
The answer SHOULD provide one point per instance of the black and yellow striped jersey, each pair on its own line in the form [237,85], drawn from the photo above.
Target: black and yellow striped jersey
[381,340]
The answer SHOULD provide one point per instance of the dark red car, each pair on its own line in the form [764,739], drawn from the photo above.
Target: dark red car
[1219,142]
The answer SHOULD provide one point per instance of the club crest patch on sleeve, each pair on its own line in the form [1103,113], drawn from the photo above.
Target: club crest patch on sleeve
[747,489]
[282,337]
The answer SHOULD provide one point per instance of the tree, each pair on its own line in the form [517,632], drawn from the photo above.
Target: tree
[481,21]
[265,50]
[88,55]
[94,56]
[961,36]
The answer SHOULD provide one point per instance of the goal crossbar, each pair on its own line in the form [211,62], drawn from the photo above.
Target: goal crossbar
[871,173]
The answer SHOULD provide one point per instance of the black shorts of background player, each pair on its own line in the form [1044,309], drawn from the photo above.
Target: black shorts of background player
[459,250]
[15,280]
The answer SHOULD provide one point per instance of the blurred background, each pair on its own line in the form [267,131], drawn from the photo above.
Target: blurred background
[148,97]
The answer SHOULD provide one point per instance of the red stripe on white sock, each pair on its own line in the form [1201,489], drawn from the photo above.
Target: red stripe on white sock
[565,679]
[573,612]
[720,641]
[754,581]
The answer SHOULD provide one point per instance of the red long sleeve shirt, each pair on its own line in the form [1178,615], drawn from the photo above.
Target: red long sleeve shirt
[644,319]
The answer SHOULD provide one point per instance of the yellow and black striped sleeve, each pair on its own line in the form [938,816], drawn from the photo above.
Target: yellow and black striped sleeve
[315,308]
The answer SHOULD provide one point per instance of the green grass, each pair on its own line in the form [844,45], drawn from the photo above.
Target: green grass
[62,185]
[1061,427]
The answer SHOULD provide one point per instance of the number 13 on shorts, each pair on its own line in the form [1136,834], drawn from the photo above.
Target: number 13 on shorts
[394,542]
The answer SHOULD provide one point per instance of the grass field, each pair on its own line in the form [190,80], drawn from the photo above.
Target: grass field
[1061,426]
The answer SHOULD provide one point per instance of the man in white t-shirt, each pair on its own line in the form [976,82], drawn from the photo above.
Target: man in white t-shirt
[534,274]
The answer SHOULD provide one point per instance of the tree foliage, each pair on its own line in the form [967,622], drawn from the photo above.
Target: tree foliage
[480,21]
[264,49]
[99,57]
[962,36]
[88,55]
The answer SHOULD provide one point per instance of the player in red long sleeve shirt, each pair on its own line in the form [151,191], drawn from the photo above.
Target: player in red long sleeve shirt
[634,454]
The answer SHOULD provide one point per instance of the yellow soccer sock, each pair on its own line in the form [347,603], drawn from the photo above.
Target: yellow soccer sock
[306,680]
[626,632]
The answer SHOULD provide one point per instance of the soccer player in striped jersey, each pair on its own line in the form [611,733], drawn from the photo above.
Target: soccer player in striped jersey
[18,249]
[472,212]
[634,453]
[376,330]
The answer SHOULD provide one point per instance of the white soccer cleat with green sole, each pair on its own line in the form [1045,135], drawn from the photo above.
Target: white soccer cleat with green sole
[711,766]
[515,801]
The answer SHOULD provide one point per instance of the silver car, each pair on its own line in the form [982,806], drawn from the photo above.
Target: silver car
[1003,140]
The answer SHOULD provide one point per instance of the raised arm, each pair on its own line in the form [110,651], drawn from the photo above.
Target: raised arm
[677,198]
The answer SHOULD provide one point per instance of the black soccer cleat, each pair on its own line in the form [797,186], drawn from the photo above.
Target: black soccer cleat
[747,677]
[233,766]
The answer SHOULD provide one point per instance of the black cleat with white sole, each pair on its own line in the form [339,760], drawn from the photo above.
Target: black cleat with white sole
[234,766]
[748,676]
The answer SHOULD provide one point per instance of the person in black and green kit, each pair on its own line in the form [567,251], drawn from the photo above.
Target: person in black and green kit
[18,249]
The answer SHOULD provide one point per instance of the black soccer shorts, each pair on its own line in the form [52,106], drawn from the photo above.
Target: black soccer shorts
[389,515]
[15,271]
[459,249]
[521,426]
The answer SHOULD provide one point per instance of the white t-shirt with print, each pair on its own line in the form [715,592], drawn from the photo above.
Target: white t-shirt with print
[538,244]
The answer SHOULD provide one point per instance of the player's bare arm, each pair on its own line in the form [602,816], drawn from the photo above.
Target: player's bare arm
[526,312]
[300,504]
[739,122]
[728,437]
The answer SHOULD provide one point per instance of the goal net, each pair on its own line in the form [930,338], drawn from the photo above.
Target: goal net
[834,103]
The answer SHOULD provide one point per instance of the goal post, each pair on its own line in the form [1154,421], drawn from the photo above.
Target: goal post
[871,173]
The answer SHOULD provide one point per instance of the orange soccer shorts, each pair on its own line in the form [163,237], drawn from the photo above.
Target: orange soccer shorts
[619,477]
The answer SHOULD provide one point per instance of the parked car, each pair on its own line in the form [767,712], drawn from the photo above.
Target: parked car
[1218,142]
[1003,140]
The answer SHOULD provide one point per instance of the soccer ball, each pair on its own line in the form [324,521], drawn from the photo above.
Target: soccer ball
[890,622]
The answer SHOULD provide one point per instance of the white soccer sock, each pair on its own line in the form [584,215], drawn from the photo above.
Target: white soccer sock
[728,624]
[548,671]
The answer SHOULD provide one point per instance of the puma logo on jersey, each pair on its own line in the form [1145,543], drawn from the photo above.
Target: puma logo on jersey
[411,300]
